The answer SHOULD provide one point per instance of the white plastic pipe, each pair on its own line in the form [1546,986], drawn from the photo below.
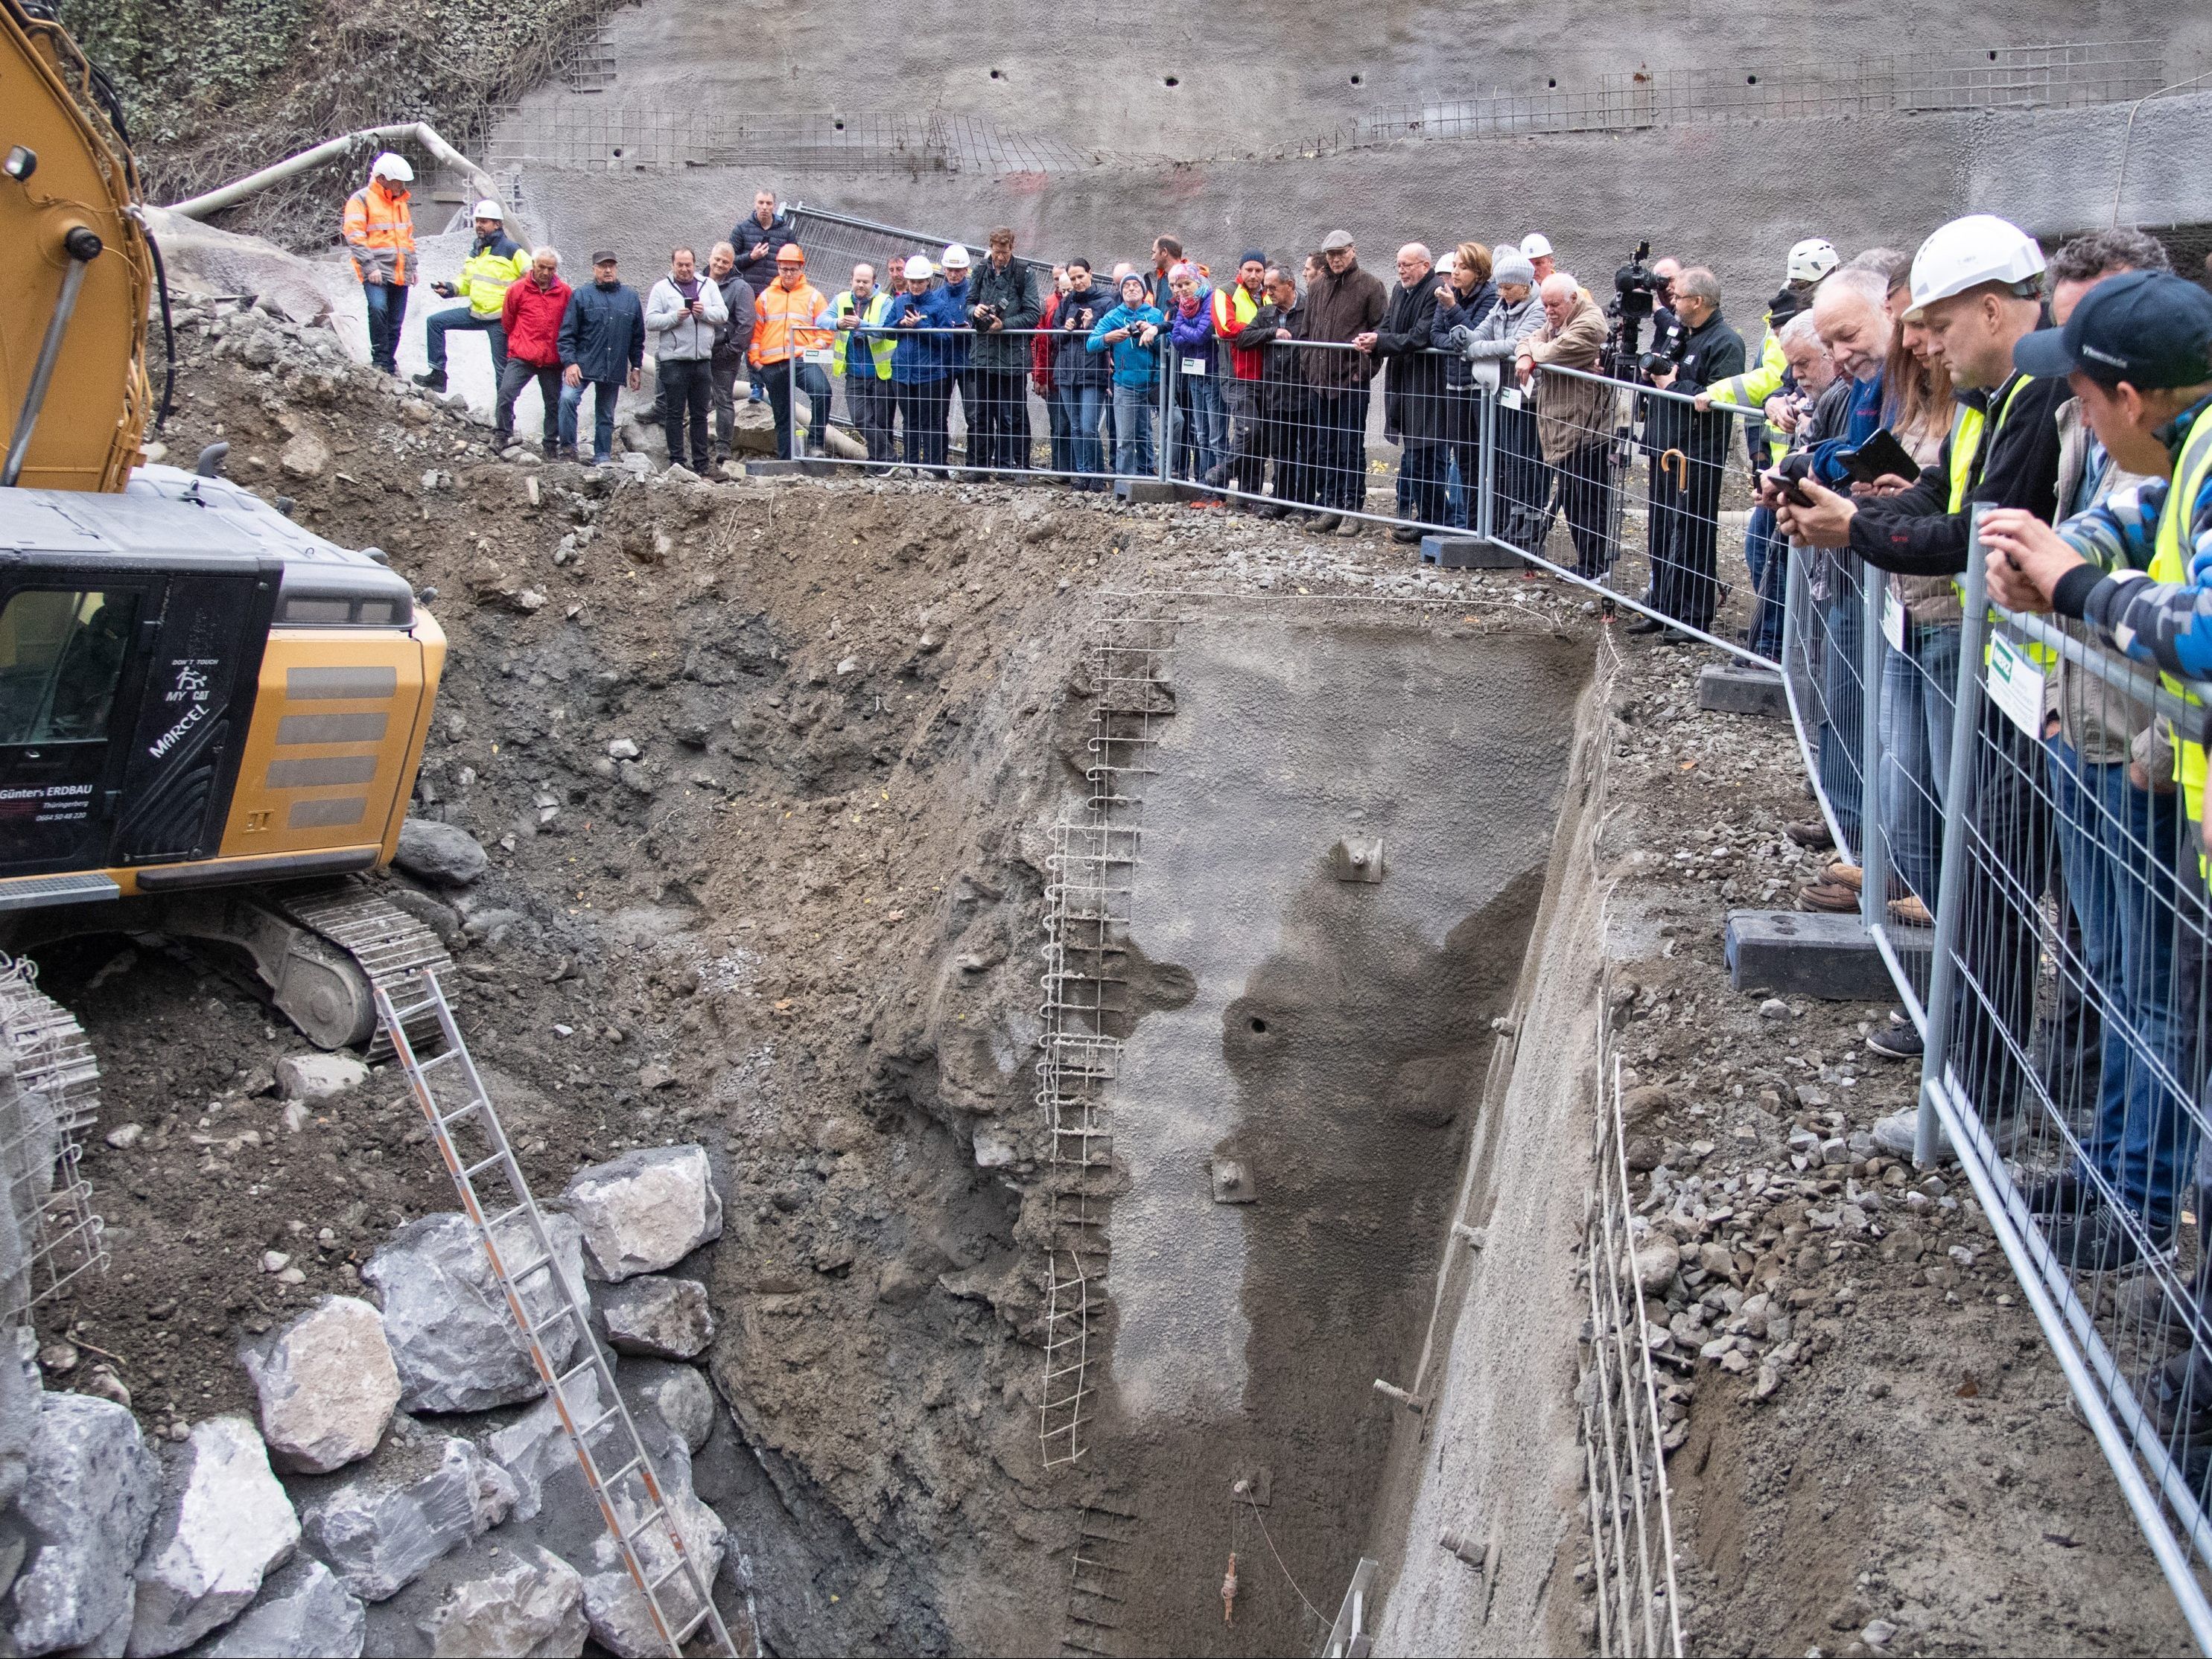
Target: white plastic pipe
[420,132]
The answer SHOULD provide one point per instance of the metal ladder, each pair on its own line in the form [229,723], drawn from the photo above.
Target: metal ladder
[477,1115]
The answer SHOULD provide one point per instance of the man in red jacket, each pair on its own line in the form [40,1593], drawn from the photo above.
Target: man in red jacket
[532,317]
[1235,304]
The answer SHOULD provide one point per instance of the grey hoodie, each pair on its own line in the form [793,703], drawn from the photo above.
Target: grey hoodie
[675,336]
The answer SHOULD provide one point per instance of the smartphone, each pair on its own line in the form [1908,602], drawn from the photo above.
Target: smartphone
[1879,456]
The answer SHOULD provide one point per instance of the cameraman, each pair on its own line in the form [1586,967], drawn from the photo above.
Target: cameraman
[1689,455]
[1002,302]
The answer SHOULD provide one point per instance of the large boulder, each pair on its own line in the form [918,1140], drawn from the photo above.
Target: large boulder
[327,1385]
[441,853]
[622,1622]
[680,1396]
[450,1336]
[421,1494]
[664,1318]
[89,1496]
[304,1612]
[646,1210]
[513,1597]
[534,1449]
[223,1523]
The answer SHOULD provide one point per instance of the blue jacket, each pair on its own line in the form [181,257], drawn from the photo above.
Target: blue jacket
[1134,365]
[922,356]
[603,331]
[955,302]
[1193,335]
[1459,374]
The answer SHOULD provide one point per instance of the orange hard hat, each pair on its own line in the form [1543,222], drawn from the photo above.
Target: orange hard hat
[790,254]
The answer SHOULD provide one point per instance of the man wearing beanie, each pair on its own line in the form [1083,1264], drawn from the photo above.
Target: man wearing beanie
[1235,305]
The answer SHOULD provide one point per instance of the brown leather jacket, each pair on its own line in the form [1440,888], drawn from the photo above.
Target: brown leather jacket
[1338,307]
[1572,412]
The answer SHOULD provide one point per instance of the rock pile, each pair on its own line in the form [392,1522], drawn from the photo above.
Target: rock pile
[342,1525]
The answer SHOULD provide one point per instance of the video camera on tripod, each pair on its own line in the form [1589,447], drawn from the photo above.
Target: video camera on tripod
[1636,291]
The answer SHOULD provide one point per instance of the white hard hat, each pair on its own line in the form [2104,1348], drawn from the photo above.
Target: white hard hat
[389,165]
[489,209]
[1536,246]
[1812,259]
[956,255]
[1969,251]
[917,270]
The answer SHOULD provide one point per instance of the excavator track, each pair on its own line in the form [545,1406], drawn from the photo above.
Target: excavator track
[388,945]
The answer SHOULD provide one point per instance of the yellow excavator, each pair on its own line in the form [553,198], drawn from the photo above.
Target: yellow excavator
[210,719]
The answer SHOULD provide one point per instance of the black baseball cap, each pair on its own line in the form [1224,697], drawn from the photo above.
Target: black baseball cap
[2148,328]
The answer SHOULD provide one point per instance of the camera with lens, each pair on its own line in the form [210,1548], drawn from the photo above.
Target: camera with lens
[987,314]
[1653,364]
[1636,286]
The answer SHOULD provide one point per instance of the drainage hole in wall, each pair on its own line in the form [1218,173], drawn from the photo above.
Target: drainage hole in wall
[1751,79]
[995,75]
[1259,1024]
[1172,81]
[1355,80]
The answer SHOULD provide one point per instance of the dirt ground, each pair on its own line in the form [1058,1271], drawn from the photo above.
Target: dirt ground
[799,924]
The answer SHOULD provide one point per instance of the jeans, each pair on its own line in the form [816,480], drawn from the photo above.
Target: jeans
[1338,452]
[605,394]
[1843,725]
[1082,407]
[924,406]
[816,384]
[1199,425]
[1766,555]
[1062,440]
[1918,687]
[685,392]
[387,315]
[1421,482]
[2117,847]
[1462,476]
[512,379]
[873,404]
[1133,430]
[460,320]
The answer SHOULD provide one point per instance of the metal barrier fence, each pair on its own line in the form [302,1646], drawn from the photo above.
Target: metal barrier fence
[2028,869]
[1633,492]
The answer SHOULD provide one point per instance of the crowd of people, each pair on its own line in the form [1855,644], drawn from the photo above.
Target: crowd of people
[1893,397]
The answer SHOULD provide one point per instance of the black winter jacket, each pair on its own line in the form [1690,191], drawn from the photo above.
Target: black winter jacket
[1013,291]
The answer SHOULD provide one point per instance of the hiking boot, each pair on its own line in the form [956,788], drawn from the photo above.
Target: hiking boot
[550,448]
[2062,1194]
[434,381]
[1645,625]
[1814,834]
[502,440]
[1351,528]
[1405,532]
[1274,510]
[1831,896]
[567,452]
[1327,523]
[2177,1398]
[2096,1241]
[1843,874]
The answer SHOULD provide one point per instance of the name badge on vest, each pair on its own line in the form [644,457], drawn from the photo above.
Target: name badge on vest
[2016,685]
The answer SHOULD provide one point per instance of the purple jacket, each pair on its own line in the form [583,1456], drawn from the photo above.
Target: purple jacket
[1193,335]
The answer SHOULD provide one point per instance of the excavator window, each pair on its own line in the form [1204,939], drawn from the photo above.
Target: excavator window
[62,656]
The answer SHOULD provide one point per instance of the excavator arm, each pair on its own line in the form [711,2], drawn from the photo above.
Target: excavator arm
[75,266]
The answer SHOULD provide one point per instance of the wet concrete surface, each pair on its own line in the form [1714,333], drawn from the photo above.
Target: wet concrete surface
[1333,1048]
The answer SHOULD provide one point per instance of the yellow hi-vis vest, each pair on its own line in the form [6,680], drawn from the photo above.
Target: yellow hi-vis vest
[2169,564]
[880,346]
[1968,431]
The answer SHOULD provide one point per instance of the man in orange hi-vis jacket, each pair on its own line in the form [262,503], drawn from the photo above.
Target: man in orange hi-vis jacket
[380,232]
